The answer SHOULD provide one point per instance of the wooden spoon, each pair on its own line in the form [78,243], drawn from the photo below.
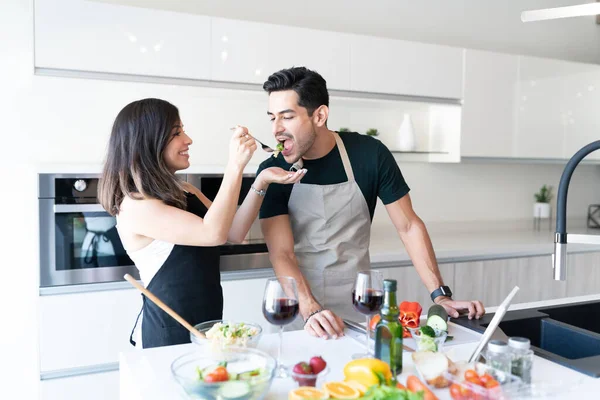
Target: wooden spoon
[164,307]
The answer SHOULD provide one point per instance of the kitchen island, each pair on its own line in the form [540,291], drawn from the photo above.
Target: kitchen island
[146,374]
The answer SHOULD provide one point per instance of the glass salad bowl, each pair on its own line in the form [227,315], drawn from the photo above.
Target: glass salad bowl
[222,333]
[427,342]
[231,373]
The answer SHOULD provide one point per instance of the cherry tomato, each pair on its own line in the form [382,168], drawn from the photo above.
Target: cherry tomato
[485,378]
[219,374]
[455,391]
[472,377]
[492,384]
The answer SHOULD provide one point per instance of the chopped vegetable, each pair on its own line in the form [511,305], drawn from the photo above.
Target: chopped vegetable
[437,318]
[279,147]
[410,314]
[229,333]
[428,331]
[383,392]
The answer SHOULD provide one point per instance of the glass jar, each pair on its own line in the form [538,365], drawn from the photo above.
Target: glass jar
[522,358]
[498,356]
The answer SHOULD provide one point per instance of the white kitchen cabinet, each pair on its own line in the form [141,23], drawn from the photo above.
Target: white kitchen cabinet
[406,68]
[99,386]
[541,109]
[580,115]
[242,301]
[91,36]
[410,286]
[249,52]
[489,104]
[86,329]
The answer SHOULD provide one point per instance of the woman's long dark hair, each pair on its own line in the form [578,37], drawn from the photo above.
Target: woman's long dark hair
[134,165]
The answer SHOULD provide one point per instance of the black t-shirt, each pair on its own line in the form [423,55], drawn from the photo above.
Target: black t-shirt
[375,171]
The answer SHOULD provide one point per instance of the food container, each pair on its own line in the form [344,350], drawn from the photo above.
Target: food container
[427,343]
[239,361]
[463,389]
[221,342]
[313,380]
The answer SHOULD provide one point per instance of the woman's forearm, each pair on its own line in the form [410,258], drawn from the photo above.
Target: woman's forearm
[246,213]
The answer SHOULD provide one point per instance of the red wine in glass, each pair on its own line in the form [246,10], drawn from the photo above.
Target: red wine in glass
[281,311]
[368,302]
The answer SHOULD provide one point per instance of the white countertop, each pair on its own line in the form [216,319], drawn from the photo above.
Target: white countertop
[145,374]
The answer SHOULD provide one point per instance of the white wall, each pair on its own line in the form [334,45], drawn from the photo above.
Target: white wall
[60,120]
[480,24]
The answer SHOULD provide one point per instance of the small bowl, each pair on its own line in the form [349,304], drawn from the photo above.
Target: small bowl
[220,343]
[184,371]
[425,344]
[314,380]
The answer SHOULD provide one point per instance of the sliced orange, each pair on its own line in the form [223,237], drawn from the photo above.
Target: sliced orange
[307,392]
[341,390]
[362,389]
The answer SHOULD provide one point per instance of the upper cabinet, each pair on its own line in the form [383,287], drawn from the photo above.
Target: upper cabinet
[489,103]
[406,68]
[540,132]
[249,52]
[90,36]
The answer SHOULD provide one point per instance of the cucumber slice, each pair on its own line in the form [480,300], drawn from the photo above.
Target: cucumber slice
[437,318]
[237,390]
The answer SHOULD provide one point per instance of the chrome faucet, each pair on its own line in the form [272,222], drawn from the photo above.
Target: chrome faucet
[561,238]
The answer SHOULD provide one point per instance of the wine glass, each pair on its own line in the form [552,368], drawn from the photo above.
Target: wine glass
[280,307]
[367,299]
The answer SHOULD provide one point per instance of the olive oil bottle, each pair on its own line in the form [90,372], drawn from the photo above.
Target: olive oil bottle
[388,333]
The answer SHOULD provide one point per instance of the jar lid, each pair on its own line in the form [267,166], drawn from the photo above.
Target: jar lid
[389,285]
[497,346]
[519,343]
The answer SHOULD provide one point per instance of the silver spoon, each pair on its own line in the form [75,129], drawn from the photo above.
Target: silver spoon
[264,146]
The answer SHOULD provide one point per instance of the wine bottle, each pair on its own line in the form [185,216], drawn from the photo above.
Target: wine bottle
[388,333]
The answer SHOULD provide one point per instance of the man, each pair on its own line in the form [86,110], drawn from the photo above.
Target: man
[318,231]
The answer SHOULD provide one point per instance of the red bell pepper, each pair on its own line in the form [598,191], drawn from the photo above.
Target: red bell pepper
[410,315]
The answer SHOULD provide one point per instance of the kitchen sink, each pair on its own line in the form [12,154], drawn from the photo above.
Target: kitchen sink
[568,335]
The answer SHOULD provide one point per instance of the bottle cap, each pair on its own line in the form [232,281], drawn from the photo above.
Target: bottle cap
[519,343]
[497,346]
[389,285]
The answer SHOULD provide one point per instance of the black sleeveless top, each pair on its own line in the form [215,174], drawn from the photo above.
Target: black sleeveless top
[189,282]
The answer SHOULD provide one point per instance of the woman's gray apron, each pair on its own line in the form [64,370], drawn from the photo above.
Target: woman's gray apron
[332,230]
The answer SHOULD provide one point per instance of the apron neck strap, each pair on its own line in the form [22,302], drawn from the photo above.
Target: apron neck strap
[344,155]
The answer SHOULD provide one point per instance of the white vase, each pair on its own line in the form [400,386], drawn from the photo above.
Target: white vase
[541,210]
[406,135]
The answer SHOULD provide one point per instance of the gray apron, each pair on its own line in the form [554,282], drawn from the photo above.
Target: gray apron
[332,231]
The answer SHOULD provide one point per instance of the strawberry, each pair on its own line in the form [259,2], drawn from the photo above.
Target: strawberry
[300,369]
[317,364]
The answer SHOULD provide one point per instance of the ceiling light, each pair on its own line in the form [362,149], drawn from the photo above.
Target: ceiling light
[561,12]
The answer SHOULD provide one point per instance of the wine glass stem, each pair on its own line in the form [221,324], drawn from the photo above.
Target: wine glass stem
[368,333]
[280,345]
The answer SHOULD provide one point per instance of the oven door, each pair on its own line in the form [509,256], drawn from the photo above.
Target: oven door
[79,244]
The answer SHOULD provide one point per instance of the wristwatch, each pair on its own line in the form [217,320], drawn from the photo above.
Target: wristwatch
[441,291]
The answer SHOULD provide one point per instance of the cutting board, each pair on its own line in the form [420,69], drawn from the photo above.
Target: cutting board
[461,335]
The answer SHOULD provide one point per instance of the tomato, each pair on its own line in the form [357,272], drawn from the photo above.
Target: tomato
[455,391]
[219,374]
[485,378]
[400,386]
[492,384]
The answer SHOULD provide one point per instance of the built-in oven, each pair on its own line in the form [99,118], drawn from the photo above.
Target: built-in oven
[79,242]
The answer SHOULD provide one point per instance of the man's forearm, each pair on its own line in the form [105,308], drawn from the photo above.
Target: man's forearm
[287,265]
[418,245]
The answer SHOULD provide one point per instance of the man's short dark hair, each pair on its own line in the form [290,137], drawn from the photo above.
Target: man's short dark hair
[309,85]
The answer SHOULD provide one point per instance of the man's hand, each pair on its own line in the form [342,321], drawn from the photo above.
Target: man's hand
[325,324]
[454,307]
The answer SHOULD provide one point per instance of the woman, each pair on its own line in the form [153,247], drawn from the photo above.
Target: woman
[168,227]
